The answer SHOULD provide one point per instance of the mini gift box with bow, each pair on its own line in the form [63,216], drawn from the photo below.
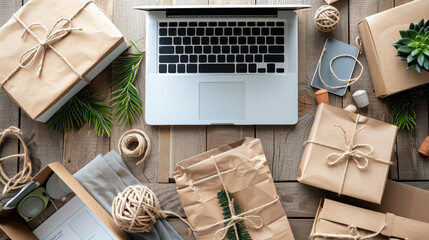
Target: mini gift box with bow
[348,154]
[51,49]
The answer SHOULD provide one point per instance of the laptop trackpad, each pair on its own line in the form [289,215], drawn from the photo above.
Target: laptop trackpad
[222,101]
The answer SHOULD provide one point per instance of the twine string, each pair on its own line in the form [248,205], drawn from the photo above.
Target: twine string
[350,81]
[138,139]
[349,152]
[22,177]
[61,28]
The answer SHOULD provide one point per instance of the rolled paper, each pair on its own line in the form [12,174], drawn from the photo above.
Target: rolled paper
[351,108]
[322,96]
[361,98]
[424,148]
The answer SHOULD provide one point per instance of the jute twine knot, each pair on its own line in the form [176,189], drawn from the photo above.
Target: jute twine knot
[327,18]
[136,209]
[354,234]
[22,177]
[134,143]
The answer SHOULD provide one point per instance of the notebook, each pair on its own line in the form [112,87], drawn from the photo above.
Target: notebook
[343,67]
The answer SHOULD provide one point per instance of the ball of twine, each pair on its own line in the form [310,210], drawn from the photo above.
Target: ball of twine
[134,143]
[136,209]
[327,18]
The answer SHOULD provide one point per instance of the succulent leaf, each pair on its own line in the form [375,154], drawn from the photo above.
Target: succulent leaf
[414,46]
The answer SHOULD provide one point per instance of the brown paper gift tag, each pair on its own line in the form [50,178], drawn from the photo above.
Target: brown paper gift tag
[366,184]
[336,218]
[84,49]
[378,32]
[246,175]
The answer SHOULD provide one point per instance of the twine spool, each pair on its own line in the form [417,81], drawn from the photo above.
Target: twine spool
[361,98]
[134,143]
[351,108]
[136,209]
[327,18]
[22,177]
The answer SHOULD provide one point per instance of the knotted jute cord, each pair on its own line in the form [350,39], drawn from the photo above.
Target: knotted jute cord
[348,81]
[137,138]
[22,177]
[327,18]
[354,234]
[136,209]
[349,152]
[61,28]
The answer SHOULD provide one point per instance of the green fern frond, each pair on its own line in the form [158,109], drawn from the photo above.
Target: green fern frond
[243,234]
[126,99]
[404,105]
[81,109]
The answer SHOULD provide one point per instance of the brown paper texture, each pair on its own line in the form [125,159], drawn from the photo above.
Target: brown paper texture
[247,177]
[334,218]
[367,184]
[378,32]
[83,49]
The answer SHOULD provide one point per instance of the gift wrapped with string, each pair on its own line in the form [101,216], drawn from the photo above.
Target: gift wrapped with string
[348,154]
[239,169]
[51,49]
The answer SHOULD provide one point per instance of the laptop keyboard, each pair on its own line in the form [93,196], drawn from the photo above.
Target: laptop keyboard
[221,47]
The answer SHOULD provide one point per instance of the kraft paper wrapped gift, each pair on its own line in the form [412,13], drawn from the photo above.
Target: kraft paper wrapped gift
[389,74]
[51,49]
[348,154]
[335,220]
[241,168]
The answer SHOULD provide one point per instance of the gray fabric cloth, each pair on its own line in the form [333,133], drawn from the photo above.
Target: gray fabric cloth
[105,177]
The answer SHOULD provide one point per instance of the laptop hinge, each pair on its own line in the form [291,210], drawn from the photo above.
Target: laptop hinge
[222,12]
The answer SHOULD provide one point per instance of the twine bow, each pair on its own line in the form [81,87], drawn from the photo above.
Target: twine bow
[61,28]
[354,234]
[350,152]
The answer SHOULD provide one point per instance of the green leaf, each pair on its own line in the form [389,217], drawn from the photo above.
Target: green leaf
[406,41]
[419,68]
[415,52]
[426,52]
[403,33]
[421,59]
[412,33]
[412,45]
[404,49]
[421,24]
[412,26]
[411,58]
[426,64]
[410,65]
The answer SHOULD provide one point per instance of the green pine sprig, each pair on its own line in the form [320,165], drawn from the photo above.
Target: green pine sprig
[243,234]
[126,99]
[404,106]
[80,109]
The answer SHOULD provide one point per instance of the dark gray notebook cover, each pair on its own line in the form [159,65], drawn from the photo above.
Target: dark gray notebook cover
[343,67]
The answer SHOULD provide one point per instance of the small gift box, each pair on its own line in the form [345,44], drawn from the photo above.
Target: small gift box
[51,49]
[347,153]
[336,220]
[241,170]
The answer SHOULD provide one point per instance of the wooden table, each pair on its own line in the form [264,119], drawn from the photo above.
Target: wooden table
[282,144]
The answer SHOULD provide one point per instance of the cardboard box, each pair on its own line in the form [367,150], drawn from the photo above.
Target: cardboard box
[244,172]
[14,227]
[325,161]
[340,219]
[378,32]
[92,44]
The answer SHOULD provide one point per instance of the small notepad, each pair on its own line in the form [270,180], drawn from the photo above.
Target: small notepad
[343,67]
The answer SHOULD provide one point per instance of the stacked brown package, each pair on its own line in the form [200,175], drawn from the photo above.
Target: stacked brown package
[242,168]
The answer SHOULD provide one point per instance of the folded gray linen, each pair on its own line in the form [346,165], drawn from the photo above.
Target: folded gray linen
[105,177]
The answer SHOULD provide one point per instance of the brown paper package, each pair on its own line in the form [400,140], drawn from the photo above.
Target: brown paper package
[83,49]
[378,32]
[336,218]
[367,184]
[245,172]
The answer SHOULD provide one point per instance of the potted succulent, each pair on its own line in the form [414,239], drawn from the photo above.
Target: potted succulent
[414,46]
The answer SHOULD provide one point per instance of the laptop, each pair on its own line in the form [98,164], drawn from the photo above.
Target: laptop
[234,64]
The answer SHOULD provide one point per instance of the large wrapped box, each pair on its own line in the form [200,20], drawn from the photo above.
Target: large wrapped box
[341,221]
[378,32]
[242,169]
[51,49]
[14,226]
[348,153]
